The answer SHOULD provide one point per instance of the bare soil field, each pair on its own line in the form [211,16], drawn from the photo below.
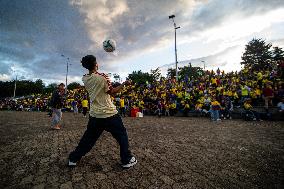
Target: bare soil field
[172,152]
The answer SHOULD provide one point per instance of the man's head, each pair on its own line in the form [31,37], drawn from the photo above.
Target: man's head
[61,86]
[89,62]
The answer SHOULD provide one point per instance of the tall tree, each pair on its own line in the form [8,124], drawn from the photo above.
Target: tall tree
[140,77]
[73,85]
[39,86]
[171,73]
[190,72]
[257,54]
[277,54]
[156,74]
[50,88]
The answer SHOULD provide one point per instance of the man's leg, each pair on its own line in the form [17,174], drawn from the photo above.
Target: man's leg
[115,126]
[266,102]
[56,116]
[84,111]
[91,135]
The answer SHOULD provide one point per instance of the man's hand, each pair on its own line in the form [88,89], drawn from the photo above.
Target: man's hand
[127,82]
[119,88]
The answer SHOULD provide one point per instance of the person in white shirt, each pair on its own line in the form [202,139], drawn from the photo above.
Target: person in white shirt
[103,115]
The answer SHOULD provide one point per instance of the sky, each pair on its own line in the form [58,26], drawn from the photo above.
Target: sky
[34,34]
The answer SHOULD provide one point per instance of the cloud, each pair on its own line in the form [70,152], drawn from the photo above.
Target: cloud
[35,33]
[222,59]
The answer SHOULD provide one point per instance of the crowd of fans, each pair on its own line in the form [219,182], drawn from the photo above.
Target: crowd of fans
[214,93]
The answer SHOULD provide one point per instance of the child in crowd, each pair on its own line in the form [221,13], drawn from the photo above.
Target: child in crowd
[167,109]
[173,108]
[198,109]
[228,108]
[215,110]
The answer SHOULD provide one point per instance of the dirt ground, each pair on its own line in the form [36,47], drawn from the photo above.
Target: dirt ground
[172,152]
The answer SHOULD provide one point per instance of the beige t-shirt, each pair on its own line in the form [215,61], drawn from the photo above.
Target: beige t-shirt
[98,85]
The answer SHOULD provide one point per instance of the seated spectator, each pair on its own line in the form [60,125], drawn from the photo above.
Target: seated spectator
[186,108]
[158,109]
[228,108]
[198,109]
[167,109]
[173,108]
[280,106]
[249,113]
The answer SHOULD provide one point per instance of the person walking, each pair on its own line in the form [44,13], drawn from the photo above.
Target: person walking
[56,102]
[85,104]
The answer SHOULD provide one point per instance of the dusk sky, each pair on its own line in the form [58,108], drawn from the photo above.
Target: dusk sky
[35,33]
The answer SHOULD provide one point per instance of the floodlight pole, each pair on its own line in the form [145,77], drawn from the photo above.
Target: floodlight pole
[203,64]
[175,27]
[67,64]
[67,68]
[15,86]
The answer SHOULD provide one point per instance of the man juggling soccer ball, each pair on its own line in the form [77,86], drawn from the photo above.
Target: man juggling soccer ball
[103,115]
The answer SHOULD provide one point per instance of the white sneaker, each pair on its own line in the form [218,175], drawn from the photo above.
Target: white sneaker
[131,163]
[71,164]
[218,119]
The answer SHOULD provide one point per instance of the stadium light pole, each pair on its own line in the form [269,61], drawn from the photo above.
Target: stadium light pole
[203,64]
[67,69]
[175,27]
[15,86]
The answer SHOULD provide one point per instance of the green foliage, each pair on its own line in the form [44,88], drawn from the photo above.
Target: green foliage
[257,54]
[171,73]
[24,87]
[73,85]
[140,77]
[185,71]
[277,54]
[190,72]
[156,74]
[50,88]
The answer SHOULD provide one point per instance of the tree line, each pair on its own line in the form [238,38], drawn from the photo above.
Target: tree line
[27,87]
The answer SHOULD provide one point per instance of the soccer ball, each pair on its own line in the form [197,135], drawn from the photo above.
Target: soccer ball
[109,45]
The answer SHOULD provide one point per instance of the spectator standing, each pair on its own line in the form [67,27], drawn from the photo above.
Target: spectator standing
[57,101]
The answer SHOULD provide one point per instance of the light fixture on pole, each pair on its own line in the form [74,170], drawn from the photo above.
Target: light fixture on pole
[175,27]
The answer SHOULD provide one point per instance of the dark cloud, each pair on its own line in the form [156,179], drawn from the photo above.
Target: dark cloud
[35,33]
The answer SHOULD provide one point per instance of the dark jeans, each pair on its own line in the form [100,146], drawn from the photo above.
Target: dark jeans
[85,111]
[122,111]
[95,128]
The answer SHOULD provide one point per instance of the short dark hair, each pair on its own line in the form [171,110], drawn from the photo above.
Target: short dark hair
[61,84]
[89,62]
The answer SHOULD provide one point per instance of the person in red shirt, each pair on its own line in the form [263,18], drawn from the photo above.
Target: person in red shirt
[268,95]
